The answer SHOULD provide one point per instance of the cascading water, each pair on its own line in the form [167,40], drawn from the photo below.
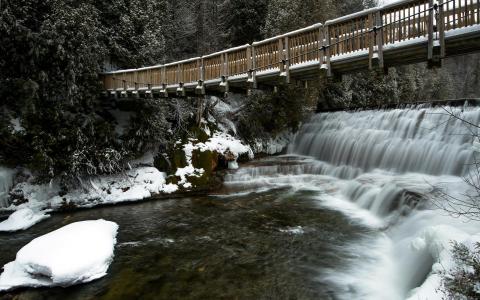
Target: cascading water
[401,140]
[386,170]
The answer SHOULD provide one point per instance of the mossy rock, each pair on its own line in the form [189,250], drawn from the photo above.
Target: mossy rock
[209,162]
[162,163]
[199,134]
[172,179]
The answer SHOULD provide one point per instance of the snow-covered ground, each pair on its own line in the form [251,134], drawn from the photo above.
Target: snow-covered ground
[77,253]
[136,184]
[140,182]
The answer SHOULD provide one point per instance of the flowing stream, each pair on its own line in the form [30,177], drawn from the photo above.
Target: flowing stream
[349,213]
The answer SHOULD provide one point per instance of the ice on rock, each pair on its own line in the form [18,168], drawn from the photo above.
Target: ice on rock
[77,253]
[6,182]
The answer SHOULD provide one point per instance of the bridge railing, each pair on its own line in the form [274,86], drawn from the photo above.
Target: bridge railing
[362,33]
[406,21]
[460,13]
[303,46]
[238,61]
[346,35]
[266,55]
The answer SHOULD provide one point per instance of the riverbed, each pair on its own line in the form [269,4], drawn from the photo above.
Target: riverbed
[270,244]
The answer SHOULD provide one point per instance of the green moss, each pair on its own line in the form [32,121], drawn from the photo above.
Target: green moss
[208,161]
[199,134]
[179,160]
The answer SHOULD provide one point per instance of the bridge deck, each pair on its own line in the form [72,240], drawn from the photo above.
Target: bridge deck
[404,32]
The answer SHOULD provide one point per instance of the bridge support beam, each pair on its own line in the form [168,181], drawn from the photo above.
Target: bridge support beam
[224,84]
[148,94]
[113,94]
[163,91]
[200,88]
[181,90]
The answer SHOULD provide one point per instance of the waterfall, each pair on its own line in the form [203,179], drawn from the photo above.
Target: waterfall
[423,140]
[384,169]
[6,182]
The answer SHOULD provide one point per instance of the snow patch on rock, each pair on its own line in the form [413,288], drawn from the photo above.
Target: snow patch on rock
[77,253]
[22,219]
[219,142]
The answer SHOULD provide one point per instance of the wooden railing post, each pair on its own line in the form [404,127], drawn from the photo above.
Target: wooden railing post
[287,60]
[379,33]
[180,81]
[431,13]
[249,58]
[227,67]
[281,56]
[284,56]
[224,73]
[436,35]
[222,62]
[328,49]
[441,28]
[200,89]
[322,51]
[371,40]
[202,70]
[163,90]
[252,81]
[135,80]
[163,75]
[179,74]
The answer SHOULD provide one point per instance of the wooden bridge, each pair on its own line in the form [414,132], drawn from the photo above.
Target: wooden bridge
[400,33]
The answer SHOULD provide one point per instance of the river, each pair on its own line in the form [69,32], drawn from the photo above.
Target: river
[349,213]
